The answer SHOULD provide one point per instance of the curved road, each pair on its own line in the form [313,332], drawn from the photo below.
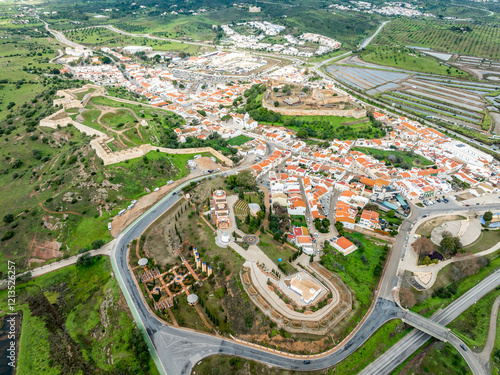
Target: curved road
[179,349]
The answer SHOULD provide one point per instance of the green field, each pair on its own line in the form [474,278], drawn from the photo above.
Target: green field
[273,249]
[98,36]
[482,40]
[434,358]
[486,240]
[427,306]
[359,270]
[74,321]
[407,157]
[473,324]
[19,56]
[408,59]
[239,140]
[118,119]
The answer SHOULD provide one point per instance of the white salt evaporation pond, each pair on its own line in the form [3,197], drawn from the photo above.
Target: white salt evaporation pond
[364,79]
[428,51]
[439,55]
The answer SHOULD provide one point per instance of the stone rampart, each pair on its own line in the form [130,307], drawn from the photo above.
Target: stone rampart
[356,113]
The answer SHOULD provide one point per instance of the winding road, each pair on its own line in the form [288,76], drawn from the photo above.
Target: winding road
[177,350]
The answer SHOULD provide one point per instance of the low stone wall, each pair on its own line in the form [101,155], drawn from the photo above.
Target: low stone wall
[356,113]
[69,99]
[61,119]
[137,152]
[338,310]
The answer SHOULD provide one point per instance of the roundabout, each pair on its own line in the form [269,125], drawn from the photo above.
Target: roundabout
[250,239]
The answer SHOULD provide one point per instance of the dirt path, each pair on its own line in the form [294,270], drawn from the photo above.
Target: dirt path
[117,138]
[62,212]
[485,355]
[209,326]
[265,222]
[174,321]
[137,248]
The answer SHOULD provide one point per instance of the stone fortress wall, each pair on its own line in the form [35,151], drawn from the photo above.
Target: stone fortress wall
[68,99]
[356,113]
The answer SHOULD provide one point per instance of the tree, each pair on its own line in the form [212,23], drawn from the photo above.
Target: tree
[276,103]
[8,218]
[450,245]
[86,260]
[246,179]
[97,244]
[302,133]
[391,213]
[488,216]
[423,246]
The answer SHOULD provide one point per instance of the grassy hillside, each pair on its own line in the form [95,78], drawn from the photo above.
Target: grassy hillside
[75,320]
[408,59]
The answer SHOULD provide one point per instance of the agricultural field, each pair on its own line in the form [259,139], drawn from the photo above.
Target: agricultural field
[78,310]
[99,36]
[407,59]
[460,103]
[463,105]
[464,38]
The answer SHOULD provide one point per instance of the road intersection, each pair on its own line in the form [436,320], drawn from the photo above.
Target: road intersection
[178,350]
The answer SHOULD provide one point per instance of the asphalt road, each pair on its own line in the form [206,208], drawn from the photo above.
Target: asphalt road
[397,354]
[179,349]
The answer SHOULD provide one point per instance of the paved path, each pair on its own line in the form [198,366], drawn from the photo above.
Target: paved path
[105,250]
[410,262]
[485,355]
[397,354]
[259,280]
[368,40]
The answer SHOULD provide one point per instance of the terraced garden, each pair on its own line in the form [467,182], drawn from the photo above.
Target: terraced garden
[241,209]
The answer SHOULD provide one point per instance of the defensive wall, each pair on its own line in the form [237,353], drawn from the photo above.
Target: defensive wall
[356,113]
